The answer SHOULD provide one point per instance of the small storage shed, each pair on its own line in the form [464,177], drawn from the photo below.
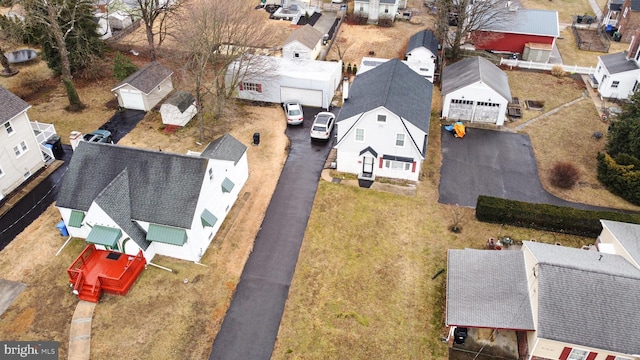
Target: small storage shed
[303,43]
[145,88]
[476,90]
[178,109]
[119,20]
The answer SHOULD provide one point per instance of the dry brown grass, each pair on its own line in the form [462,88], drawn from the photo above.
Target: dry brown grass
[571,55]
[566,9]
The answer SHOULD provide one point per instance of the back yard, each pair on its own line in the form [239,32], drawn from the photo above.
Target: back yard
[364,286]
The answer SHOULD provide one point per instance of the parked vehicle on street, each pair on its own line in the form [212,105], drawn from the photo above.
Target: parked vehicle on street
[293,111]
[322,125]
[100,136]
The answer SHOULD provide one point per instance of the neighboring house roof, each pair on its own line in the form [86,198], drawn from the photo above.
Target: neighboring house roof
[426,39]
[306,35]
[472,70]
[488,289]
[585,298]
[147,78]
[381,1]
[226,148]
[396,87]
[616,5]
[163,187]
[618,63]
[526,21]
[627,234]
[181,99]
[635,5]
[11,105]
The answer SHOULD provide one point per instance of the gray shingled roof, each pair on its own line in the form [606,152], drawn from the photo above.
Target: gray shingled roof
[115,200]
[396,87]
[306,35]
[488,289]
[163,187]
[426,39]
[226,148]
[627,234]
[527,21]
[181,99]
[147,78]
[589,308]
[635,5]
[472,70]
[618,63]
[11,105]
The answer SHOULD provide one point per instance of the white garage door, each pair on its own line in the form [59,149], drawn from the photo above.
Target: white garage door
[486,112]
[460,109]
[132,99]
[304,96]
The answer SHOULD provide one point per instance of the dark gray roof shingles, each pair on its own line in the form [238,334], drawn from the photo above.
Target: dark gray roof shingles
[426,39]
[147,78]
[11,105]
[628,235]
[181,99]
[396,87]
[307,35]
[163,187]
[226,148]
[472,70]
[618,63]
[488,289]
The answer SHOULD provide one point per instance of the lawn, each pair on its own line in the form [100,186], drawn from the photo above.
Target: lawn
[567,9]
[571,55]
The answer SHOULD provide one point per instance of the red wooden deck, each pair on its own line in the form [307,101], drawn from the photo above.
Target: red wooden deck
[95,271]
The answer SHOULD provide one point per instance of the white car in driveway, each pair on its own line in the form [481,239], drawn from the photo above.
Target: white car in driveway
[322,125]
[293,111]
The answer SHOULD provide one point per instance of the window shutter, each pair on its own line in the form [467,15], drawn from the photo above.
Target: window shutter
[610,357]
[381,162]
[592,356]
[259,87]
[413,167]
[240,86]
[565,353]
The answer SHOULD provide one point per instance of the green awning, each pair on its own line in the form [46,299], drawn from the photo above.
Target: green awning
[167,235]
[103,235]
[76,218]
[227,185]
[208,219]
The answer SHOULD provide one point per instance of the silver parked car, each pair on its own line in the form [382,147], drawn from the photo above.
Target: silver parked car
[293,111]
[322,125]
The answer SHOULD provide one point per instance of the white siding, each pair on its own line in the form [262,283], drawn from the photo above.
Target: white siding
[626,81]
[290,50]
[150,100]
[477,92]
[171,115]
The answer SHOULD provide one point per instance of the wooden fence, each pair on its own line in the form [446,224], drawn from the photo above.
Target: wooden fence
[546,66]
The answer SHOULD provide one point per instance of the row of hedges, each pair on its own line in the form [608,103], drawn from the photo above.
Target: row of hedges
[547,217]
[621,175]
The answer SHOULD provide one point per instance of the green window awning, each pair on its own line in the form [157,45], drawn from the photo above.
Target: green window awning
[103,235]
[208,219]
[227,185]
[76,218]
[167,235]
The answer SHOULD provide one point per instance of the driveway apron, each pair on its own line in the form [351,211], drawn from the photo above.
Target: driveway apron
[251,324]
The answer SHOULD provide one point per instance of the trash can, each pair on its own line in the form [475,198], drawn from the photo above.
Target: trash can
[56,146]
[62,228]
[256,138]
[617,36]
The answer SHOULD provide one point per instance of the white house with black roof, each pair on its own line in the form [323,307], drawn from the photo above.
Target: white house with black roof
[129,199]
[617,75]
[475,90]
[423,51]
[559,302]
[383,126]
[145,88]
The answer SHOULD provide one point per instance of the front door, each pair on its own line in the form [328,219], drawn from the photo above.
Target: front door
[367,166]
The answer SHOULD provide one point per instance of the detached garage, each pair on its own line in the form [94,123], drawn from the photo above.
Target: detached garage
[475,90]
[312,83]
[145,88]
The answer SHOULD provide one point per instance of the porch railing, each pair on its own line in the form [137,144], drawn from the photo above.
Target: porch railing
[42,131]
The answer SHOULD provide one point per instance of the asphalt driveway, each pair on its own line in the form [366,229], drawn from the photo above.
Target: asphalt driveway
[493,163]
[251,324]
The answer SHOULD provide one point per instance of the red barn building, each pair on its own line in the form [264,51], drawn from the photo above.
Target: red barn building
[538,28]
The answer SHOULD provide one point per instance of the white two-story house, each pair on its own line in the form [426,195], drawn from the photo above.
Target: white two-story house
[617,75]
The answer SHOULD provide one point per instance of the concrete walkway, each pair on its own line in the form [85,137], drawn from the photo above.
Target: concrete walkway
[548,113]
[80,331]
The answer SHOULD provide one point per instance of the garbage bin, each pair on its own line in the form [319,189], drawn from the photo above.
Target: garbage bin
[617,36]
[56,146]
[62,228]
[256,138]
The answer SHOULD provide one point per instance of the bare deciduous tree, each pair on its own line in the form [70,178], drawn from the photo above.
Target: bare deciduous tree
[456,19]
[217,35]
[340,46]
[158,17]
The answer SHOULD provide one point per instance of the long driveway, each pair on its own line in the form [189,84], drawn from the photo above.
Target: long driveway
[251,324]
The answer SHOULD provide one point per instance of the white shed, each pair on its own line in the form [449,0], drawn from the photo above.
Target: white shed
[178,109]
[311,82]
[119,20]
[303,43]
[145,88]
[476,90]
